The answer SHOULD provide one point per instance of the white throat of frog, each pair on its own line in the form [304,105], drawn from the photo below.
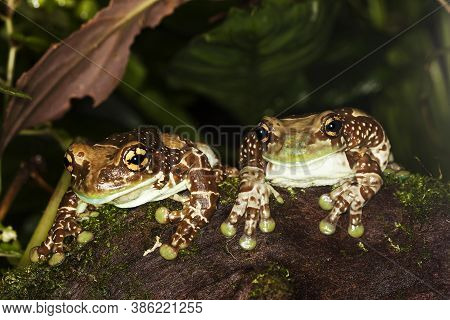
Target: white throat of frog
[317,162]
[111,197]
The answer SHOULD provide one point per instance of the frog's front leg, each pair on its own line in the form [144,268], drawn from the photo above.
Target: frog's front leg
[254,192]
[352,195]
[253,203]
[65,225]
[201,183]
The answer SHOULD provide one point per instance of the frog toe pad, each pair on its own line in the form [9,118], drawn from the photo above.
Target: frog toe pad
[327,227]
[227,229]
[84,237]
[34,255]
[247,242]
[56,259]
[267,225]
[162,215]
[325,202]
[168,252]
[355,231]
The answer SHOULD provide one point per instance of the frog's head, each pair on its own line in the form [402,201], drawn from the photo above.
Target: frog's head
[115,167]
[299,140]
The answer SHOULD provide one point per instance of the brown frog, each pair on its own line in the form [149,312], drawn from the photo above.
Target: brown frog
[133,168]
[346,148]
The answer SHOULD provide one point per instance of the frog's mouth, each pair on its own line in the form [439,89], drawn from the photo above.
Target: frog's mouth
[301,148]
[300,154]
[114,197]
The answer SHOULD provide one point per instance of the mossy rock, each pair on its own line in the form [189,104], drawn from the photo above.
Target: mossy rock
[399,256]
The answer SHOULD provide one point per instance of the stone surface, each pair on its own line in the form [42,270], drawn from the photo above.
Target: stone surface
[396,258]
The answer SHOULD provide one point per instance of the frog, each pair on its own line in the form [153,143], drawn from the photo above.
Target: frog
[345,148]
[133,168]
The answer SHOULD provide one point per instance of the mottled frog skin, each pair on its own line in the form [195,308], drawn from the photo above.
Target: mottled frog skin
[131,169]
[346,148]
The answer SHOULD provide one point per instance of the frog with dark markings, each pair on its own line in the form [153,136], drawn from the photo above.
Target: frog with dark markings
[346,148]
[133,168]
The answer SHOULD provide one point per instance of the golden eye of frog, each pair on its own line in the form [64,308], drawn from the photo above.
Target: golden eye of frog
[133,168]
[344,147]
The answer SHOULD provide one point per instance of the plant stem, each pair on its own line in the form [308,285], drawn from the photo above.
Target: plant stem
[445,4]
[19,180]
[11,4]
[10,66]
[12,47]
[30,169]
[46,221]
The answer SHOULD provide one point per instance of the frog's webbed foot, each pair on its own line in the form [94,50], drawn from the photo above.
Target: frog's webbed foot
[352,195]
[65,225]
[252,203]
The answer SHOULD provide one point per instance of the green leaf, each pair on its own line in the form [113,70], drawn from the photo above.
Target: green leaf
[10,250]
[252,63]
[13,92]
[377,12]
[9,246]
[37,44]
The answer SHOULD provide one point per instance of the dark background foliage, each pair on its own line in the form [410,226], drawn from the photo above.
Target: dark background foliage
[230,62]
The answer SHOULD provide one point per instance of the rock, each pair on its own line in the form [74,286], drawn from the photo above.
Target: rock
[398,257]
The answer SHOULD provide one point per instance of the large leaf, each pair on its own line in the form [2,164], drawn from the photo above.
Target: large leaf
[89,62]
[253,61]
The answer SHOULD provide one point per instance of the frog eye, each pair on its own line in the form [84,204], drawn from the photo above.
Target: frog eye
[332,127]
[262,133]
[135,158]
[68,162]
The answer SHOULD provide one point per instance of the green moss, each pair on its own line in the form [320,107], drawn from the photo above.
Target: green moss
[193,249]
[294,191]
[400,239]
[108,215]
[39,280]
[422,194]
[362,246]
[31,281]
[228,190]
[403,228]
[424,257]
[272,283]
[397,247]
